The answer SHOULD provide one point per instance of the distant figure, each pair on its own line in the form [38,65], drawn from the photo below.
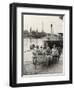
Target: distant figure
[34,50]
[59,50]
[54,51]
[41,50]
[44,50]
[32,46]
[48,54]
[37,50]
[34,55]
[48,50]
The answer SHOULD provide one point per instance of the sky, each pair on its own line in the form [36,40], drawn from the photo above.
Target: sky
[39,21]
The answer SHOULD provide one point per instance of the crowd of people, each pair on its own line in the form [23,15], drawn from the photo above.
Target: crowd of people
[45,51]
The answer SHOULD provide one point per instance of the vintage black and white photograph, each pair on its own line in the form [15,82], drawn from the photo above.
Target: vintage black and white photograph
[42,44]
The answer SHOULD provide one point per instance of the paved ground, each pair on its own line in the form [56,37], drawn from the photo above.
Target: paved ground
[29,68]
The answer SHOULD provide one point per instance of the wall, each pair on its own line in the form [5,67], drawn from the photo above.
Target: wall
[4,43]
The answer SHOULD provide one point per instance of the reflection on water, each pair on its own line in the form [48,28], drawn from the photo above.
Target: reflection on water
[28,42]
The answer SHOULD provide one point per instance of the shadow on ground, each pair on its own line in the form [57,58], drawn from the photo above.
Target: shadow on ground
[29,68]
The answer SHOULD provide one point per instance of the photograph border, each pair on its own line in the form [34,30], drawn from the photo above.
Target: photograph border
[13,44]
[39,14]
